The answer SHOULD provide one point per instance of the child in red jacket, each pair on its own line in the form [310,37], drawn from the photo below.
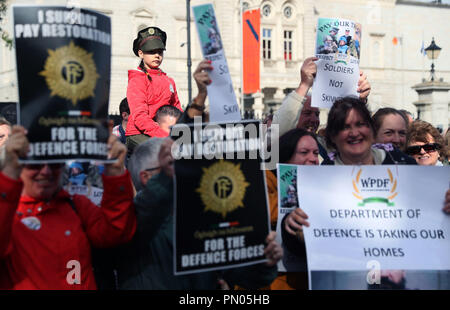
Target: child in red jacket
[149,88]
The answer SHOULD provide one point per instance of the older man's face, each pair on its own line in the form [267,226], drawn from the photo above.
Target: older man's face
[309,118]
[5,131]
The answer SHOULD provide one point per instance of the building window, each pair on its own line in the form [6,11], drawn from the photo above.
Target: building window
[267,43]
[266,10]
[287,45]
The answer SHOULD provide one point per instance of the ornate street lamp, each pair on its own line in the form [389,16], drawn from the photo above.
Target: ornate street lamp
[433,53]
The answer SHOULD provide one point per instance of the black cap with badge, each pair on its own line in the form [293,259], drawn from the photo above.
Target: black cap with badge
[149,39]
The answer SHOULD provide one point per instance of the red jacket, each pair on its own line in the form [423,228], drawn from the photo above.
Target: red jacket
[145,98]
[40,258]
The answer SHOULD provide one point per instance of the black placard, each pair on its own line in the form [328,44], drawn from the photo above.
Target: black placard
[63,68]
[221,213]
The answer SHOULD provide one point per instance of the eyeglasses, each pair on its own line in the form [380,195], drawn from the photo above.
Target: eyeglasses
[416,149]
[54,166]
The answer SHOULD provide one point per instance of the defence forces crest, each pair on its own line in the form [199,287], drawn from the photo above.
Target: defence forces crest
[222,187]
[70,73]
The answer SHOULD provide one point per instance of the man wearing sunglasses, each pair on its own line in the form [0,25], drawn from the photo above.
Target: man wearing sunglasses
[46,235]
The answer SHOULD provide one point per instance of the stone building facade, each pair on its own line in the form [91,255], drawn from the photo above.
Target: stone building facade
[288,37]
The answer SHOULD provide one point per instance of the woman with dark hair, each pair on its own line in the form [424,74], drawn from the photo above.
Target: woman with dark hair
[351,132]
[425,144]
[391,126]
[297,147]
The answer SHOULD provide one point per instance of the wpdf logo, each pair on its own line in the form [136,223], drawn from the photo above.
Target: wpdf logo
[375,188]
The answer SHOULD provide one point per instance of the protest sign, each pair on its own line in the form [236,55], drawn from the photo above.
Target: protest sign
[221,212]
[287,202]
[63,68]
[222,99]
[388,214]
[84,178]
[338,44]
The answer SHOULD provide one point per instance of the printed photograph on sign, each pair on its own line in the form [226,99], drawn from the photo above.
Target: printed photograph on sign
[223,106]
[292,261]
[336,36]
[288,187]
[84,178]
[208,30]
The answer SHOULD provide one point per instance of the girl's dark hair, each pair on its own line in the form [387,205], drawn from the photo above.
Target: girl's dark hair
[142,66]
[288,143]
[378,117]
[338,114]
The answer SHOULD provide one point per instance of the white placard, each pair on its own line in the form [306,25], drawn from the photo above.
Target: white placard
[222,99]
[338,45]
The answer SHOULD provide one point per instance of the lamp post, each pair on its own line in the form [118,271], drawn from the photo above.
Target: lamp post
[433,53]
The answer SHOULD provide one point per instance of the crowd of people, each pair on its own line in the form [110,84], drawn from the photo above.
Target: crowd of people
[43,228]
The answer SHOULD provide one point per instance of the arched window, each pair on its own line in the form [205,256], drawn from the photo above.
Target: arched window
[287,11]
[267,10]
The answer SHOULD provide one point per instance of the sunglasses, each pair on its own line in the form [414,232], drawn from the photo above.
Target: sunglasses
[416,149]
[40,166]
